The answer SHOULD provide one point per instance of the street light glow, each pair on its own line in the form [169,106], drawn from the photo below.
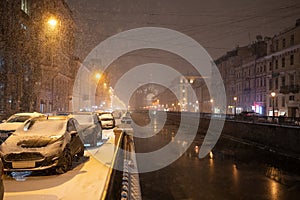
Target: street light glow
[52,22]
[98,76]
[273,94]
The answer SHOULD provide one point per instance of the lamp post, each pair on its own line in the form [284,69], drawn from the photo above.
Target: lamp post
[212,107]
[52,31]
[235,99]
[273,94]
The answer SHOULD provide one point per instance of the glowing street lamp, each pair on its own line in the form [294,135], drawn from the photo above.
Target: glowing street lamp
[52,22]
[98,76]
[212,108]
[235,99]
[273,94]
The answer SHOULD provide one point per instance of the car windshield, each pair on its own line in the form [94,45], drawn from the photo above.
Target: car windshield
[42,127]
[17,118]
[84,119]
[106,116]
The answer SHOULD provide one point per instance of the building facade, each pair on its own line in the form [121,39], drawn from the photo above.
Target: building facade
[270,65]
[283,61]
[238,71]
[37,63]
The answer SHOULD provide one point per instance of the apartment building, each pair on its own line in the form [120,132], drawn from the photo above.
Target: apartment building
[237,69]
[283,72]
[37,65]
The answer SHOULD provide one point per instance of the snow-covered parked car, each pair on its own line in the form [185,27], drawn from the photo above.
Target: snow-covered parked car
[13,122]
[126,119]
[43,143]
[89,127]
[107,120]
[1,181]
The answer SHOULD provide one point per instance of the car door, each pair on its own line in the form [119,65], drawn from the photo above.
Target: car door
[75,143]
[97,126]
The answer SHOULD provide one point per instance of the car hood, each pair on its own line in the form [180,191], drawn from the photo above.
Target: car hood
[10,126]
[17,143]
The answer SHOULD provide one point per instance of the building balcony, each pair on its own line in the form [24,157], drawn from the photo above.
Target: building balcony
[286,89]
[247,90]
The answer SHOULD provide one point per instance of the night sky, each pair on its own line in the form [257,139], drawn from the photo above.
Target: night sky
[217,25]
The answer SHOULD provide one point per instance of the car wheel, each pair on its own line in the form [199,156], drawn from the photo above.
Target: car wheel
[80,154]
[65,161]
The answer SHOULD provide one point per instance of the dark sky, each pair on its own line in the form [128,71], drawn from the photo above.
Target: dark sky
[218,25]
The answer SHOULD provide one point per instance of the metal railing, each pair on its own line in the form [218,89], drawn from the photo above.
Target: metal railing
[123,184]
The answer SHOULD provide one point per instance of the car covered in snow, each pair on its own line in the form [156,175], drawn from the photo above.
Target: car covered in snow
[126,118]
[13,122]
[1,180]
[89,127]
[107,120]
[43,143]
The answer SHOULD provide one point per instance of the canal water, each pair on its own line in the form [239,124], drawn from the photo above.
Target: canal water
[234,169]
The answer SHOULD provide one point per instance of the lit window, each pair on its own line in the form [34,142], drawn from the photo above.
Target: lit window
[25,6]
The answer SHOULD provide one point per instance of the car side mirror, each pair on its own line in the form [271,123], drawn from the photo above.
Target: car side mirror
[73,133]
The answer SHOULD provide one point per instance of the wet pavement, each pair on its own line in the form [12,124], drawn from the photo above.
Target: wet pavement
[233,170]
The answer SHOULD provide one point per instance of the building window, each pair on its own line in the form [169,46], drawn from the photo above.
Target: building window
[270,66]
[276,64]
[270,84]
[276,83]
[292,79]
[283,101]
[283,43]
[292,59]
[283,62]
[1,63]
[25,6]
[292,41]
[283,81]
[292,98]
[276,45]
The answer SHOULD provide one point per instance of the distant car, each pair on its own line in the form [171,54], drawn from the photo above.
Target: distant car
[13,122]
[1,180]
[89,127]
[107,120]
[126,119]
[43,143]
[248,115]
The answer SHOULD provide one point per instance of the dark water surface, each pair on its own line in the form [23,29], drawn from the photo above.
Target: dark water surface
[233,170]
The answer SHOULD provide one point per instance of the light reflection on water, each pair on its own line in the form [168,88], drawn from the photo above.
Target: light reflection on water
[235,174]
[238,166]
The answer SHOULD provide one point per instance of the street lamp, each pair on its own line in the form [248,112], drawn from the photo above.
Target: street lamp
[235,99]
[98,76]
[52,22]
[212,108]
[273,94]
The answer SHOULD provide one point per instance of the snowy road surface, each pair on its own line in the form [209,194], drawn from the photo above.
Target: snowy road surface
[85,180]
